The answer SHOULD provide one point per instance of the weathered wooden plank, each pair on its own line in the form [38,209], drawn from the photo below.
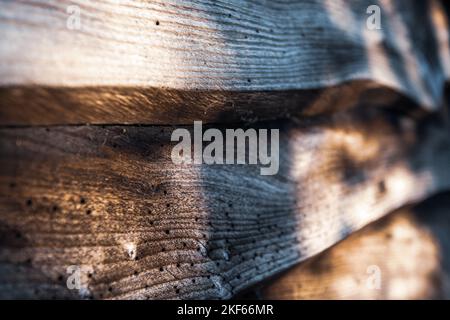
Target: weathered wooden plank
[109,105]
[402,256]
[109,198]
[136,50]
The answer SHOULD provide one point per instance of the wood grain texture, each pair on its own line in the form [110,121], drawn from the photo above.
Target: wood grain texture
[409,248]
[110,199]
[119,105]
[126,51]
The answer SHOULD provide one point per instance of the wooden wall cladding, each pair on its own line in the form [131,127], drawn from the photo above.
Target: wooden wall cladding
[86,115]
[109,198]
[138,61]
[409,248]
[121,105]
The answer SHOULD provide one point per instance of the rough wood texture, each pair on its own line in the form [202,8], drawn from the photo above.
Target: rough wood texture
[107,105]
[159,51]
[409,247]
[109,198]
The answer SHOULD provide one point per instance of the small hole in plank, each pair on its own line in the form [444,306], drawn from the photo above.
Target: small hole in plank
[381,187]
